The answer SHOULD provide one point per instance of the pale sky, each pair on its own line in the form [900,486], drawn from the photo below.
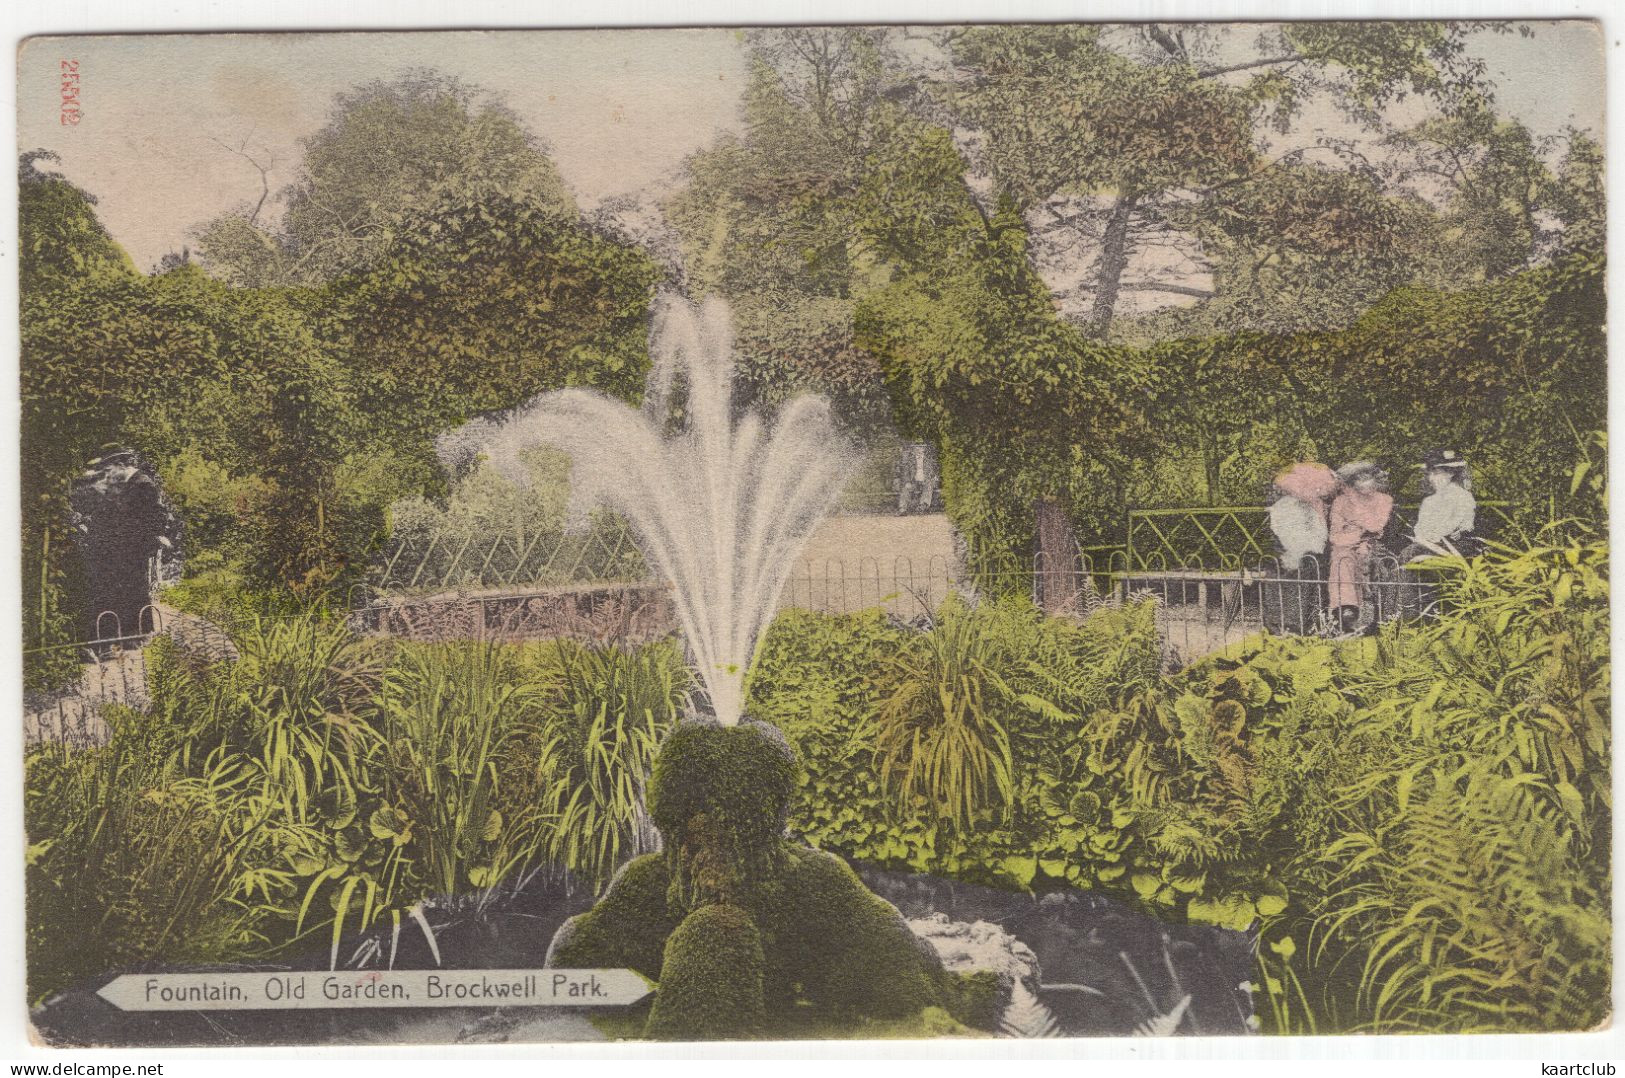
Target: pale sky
[619,109]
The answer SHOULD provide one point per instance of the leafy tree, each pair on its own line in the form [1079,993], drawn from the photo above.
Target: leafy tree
[206,381]
[1495,188]
[61,238]
[1576,197]
[1037,424]
[1065,116]
[1117,141]
[770,219]
[74,380]
[787,344]
[771,210]
[311,425]
[390,153]
[481,305]
[1298,247]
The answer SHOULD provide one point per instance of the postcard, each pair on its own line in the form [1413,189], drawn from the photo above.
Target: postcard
[1003,530]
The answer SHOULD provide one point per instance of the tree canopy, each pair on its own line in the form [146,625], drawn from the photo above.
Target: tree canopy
[390,154]
[939,228]
[429,266]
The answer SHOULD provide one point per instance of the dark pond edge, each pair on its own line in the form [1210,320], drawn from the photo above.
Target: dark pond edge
[1108,970]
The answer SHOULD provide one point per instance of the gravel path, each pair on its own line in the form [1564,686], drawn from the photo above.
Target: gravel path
[905,564]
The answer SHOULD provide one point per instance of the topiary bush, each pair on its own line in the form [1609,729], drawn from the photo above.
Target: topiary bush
[739,925]
[711,986]
[720,796]
[628,926]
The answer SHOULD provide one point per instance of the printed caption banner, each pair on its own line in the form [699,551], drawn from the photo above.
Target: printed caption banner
[375,988]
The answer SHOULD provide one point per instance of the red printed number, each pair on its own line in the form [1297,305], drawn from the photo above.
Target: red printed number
[71,113]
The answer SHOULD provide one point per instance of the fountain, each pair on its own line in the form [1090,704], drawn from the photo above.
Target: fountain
[721,508]
[746,931]
[739,925]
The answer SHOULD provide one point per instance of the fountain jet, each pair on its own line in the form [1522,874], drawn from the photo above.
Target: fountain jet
[721,507]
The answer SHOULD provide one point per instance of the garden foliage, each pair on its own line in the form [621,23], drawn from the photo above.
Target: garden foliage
[324,784]
[1027,408]
[285,420]
[1417,825]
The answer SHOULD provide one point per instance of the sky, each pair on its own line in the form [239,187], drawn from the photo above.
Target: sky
[619,109]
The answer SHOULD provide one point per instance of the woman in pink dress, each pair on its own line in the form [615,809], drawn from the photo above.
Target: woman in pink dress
[1359,514]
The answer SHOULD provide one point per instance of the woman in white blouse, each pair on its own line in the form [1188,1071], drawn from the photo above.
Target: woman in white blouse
[1447,515]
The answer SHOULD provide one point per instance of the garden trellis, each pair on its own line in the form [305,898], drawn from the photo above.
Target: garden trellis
[1226,537]
[448,557]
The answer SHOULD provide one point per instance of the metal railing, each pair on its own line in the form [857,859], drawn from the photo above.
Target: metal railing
[1205,609]
[111,671]
[1208,536]
[1202,608]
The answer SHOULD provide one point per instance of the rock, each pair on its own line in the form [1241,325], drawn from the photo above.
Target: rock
[533,1025]
[967,946]
[1108,969]
[199,640]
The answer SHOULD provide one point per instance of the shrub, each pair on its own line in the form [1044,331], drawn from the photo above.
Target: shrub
[129,860]
[604,713]
[711,984]
[1418,825]
[1469,885]
[941,731]
[766,924]
[846,948]
[627,927]
[1069,701]
[452,718]
[720,796]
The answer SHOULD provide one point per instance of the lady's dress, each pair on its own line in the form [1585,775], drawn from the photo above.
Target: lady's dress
[1357,519]
[1292,594]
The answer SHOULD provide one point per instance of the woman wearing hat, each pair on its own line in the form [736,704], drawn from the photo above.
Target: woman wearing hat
[1446,516]
[1444,523]
[1298,519]
[1359,515]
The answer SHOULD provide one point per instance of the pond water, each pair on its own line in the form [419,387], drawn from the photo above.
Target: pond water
[1104,970]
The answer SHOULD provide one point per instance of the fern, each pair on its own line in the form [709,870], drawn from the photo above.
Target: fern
[1026,1015]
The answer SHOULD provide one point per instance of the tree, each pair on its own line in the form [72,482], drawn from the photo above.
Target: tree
[770,211]
[310,543]
[1577,195]
[62,240]
[768,219]
[1112,140]
[787,344]
[1037,424]
[1064,117]
[1493,184]
[1297,247]
[68,401]
[390,153]
[480,305]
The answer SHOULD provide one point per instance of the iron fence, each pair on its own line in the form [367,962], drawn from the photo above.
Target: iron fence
[1206,609]
[111,670]
[1202,608]
[1214,536]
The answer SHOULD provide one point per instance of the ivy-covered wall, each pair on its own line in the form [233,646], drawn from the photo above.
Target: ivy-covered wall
[1024,406]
